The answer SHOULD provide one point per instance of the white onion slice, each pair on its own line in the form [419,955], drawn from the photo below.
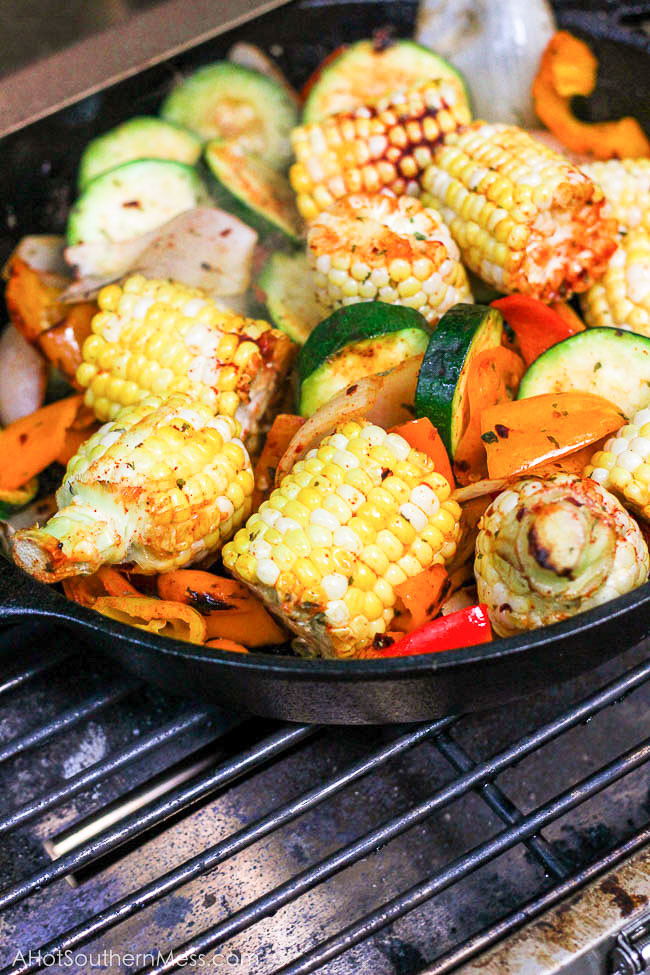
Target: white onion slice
[23,376]
[479,489]
[386,399]
[43,253]
[203,248]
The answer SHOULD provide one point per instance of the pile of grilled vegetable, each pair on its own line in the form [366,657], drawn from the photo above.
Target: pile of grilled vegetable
[327,384]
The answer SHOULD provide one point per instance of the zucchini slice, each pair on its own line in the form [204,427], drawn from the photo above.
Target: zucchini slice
[142,137]
[227,101]
[441,394]
[611,362]
[287,287]
[364,72]
[132,199]
[12,501]
[357,340]
[253,191]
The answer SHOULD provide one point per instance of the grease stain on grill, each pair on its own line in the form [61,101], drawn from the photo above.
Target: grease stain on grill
[626,902]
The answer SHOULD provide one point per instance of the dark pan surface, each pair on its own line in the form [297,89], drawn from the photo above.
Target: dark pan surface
[37,180]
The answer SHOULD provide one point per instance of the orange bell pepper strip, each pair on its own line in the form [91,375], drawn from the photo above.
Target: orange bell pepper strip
[418,599]
[536,326]
[568,68]
[573,463]
[230,610]
[155,616]
[494,377]
[84,590]
[115,583]
[108,581]
[220,643]
[32,299]
[282,431]
[570,317]
[423,436]
[29,445]
[526,433]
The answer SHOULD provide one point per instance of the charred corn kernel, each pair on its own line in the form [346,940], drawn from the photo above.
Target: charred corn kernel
[626,185]
[549,548]
[374,230]
[164,484]
[621,299]
[161,337]
[525,219]
[359,542]
[374,147]
[623,465]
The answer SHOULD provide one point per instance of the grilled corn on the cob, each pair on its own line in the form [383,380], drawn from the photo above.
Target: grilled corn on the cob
[383,145]
[525,219]
[158,337]
[359,515]
[550,548]
[393,250]
[621,299]
[626,185]
[161,486]
[623,465]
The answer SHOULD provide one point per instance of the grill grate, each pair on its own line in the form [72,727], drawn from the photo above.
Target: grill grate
[304,779]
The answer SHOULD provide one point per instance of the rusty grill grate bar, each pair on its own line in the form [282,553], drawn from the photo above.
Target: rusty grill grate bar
[474,777]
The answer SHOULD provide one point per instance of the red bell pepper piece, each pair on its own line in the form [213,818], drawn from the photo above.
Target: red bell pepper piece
[423,436]
[536,326]
[466,628]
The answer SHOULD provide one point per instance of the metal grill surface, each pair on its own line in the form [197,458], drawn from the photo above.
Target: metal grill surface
[266,848]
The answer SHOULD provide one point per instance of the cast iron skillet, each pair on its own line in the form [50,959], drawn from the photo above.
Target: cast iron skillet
[37,179]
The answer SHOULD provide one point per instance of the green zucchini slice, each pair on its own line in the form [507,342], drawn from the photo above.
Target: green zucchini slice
[227,101]
[610,362]
[12,501]
[287,287]
[132,199]
[357,340]
[364,72]
[253,191]
[441,393]
[142,137]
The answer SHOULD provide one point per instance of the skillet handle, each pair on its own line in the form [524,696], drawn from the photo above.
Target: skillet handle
[23,598]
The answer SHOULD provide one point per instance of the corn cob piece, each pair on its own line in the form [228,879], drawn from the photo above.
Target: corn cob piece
[164,484]
[623,465]
[355,518]
[621,299]
[525,219]
[384,145]
[626,185]
[549,548]
[389,249]
[157,337]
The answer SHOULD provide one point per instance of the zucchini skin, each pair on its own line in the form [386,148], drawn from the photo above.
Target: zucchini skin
[313,110]
[225,193]
[12,501]
[354,323]
[612,362]
[440,383]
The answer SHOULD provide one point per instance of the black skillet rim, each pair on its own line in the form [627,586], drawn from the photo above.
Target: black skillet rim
[54,605]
